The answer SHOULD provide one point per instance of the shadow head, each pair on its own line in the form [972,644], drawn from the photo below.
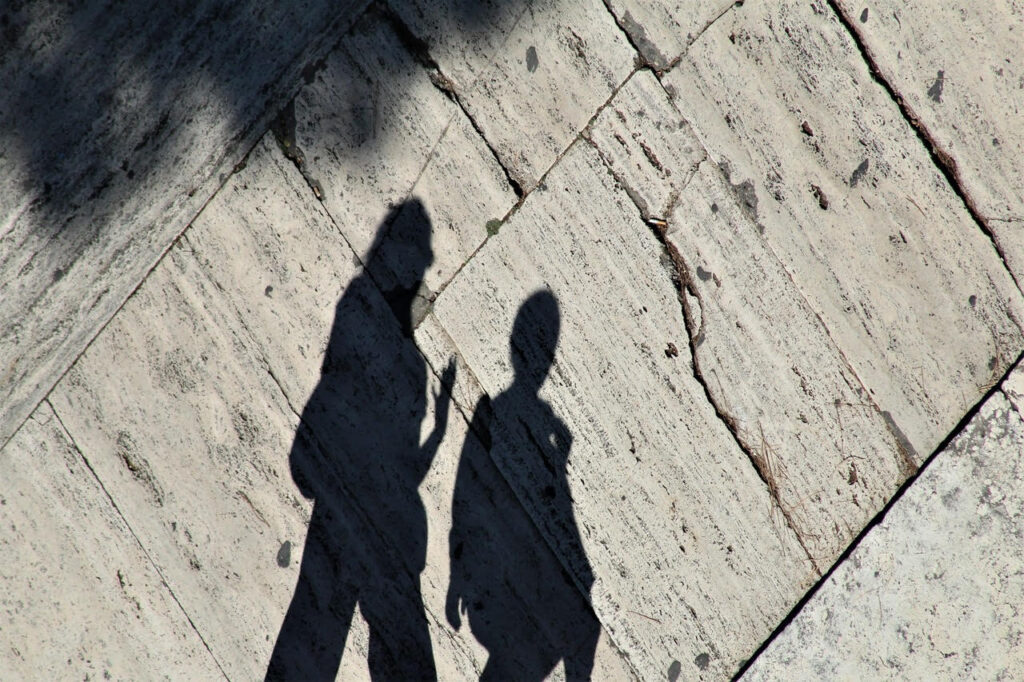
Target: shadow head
[403,243]
[535,338]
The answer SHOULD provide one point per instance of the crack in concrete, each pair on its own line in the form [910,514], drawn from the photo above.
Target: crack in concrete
[905,450]
[138,541]
[647,52]
[942,159]
[712,22]
[682,279]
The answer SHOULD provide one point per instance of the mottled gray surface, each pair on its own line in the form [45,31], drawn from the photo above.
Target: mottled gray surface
[934,592]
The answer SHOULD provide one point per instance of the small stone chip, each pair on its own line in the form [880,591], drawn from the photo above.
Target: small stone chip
[284,554]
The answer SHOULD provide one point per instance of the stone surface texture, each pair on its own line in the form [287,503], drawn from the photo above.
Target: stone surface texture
[960,72]
[934,591]
[663,513]
[544,331]
[853,205]
[80,597]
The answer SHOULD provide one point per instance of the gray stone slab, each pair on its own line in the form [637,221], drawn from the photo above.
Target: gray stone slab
[657,512]
[766,359]
[372,128]
[933,591]
[960,72]
[115,128]
[532,89]
[79,596]
[913,293]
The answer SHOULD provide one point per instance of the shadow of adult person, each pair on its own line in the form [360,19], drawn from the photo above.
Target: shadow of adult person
[357,454]
[521,604]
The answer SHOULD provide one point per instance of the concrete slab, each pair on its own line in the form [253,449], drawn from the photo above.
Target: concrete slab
[959,73]
[763,356]
[657,512]
[883,250]
[189,434]
[933,591]
[115,129]
[80,597]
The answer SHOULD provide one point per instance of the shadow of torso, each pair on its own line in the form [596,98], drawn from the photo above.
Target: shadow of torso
[522,605]
[357,454]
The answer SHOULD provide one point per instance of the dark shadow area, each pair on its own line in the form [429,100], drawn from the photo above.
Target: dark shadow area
[358,455]
[113,116]
[95,95]
[118,121]
[519,601]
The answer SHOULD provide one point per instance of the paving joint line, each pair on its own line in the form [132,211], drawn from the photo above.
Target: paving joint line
[880,516]
[135,536]
[420,52]
[942,159]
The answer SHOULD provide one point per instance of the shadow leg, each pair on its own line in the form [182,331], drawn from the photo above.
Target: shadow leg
[313,634]
[580,663]
[400,647]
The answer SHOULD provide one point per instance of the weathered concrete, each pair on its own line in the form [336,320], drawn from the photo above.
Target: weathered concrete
[662,31]
[772,305]
[959,71]
[763,356]
[883,250]
[933,591]
[114,131]
[79,596]
[666,502]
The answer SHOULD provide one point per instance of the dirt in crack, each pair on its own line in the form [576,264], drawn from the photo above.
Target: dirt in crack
[686,289]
